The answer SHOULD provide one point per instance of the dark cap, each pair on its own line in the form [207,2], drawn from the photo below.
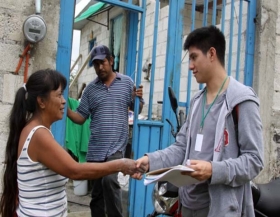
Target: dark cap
[100,52]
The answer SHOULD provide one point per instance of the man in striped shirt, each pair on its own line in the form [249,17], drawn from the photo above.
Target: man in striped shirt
[106,100]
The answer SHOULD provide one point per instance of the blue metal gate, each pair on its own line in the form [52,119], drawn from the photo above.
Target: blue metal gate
[236,20]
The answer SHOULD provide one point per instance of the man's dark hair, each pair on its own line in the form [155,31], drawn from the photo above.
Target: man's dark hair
[206,37]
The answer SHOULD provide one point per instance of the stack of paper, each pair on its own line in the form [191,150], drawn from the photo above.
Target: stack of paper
[172,175]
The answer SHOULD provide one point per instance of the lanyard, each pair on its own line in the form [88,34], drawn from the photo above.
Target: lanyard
[204,101]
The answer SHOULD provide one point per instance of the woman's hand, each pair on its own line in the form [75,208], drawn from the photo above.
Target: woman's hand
[128,166]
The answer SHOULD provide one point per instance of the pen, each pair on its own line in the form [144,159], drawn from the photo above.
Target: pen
[188,163]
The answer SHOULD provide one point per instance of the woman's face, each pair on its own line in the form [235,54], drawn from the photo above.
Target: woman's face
[55,104]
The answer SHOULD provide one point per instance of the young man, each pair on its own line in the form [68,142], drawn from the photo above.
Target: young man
[106,100]
[224,161]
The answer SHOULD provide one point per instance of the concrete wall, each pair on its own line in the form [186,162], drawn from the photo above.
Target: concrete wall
[12,43]
[266,82]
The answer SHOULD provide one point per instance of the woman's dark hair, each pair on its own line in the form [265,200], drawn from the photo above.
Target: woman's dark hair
[206,37]
[40,83]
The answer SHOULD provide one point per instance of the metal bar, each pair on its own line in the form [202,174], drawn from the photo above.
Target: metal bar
[205,16]
[223,16]
[108,20]
[99,23]
[131,48]
[75,63]
[205,12]
[154,54]
[173,57]
[214,12]
[239,39]
[189,85]
[177,63]
[230,37]
[132,186]
[63,59]
[139,61]
[128,6]
[182,104]
[250,43]
[150,123]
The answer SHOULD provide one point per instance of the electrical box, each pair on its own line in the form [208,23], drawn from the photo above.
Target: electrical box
[34,28]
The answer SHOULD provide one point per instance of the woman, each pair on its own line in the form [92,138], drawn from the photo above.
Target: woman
[36,165]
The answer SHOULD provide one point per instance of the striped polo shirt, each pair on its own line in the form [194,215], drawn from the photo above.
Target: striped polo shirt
[41,191]
[108,109]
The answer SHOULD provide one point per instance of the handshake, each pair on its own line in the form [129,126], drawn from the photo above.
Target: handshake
[201,170]
[135,168]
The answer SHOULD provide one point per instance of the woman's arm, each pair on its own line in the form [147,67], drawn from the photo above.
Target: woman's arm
[44,149]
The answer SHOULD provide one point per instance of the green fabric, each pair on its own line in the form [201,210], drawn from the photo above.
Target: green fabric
[90,11]
[77,136]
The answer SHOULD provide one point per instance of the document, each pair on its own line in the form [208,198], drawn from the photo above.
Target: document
[172,175]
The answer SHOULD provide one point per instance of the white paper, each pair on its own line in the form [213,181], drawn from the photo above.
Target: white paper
[172,175]
[198,142]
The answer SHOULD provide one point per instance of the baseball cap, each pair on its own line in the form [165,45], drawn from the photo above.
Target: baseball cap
[100,52]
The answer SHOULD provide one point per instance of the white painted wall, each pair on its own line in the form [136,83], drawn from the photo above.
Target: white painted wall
[102,34]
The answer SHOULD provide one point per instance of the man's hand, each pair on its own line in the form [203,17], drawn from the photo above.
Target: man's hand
[142,165]
[75,117]
[202,170]
[138,92]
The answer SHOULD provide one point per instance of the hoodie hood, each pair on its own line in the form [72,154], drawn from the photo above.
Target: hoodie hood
[236,93]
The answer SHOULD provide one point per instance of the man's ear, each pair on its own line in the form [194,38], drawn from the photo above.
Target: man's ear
[41,102]
[111,60]
[212,53]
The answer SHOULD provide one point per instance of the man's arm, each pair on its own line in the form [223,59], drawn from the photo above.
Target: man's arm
[141,103]
[75,117]
[249,163]
[171,156]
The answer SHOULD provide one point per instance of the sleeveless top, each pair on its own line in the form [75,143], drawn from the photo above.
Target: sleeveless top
[41,191]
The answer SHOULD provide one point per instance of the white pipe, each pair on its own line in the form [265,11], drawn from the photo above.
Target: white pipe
[38,5]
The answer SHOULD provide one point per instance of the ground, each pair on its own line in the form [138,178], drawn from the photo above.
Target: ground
[78,206]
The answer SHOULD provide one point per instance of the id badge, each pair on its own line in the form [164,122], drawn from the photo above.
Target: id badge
[198,142]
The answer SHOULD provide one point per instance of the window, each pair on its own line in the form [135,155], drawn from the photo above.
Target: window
[91,44]
[116,39]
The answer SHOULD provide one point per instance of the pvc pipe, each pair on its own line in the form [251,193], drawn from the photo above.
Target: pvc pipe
[38,6]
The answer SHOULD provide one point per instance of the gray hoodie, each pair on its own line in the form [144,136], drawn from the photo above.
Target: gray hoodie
[234,163]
